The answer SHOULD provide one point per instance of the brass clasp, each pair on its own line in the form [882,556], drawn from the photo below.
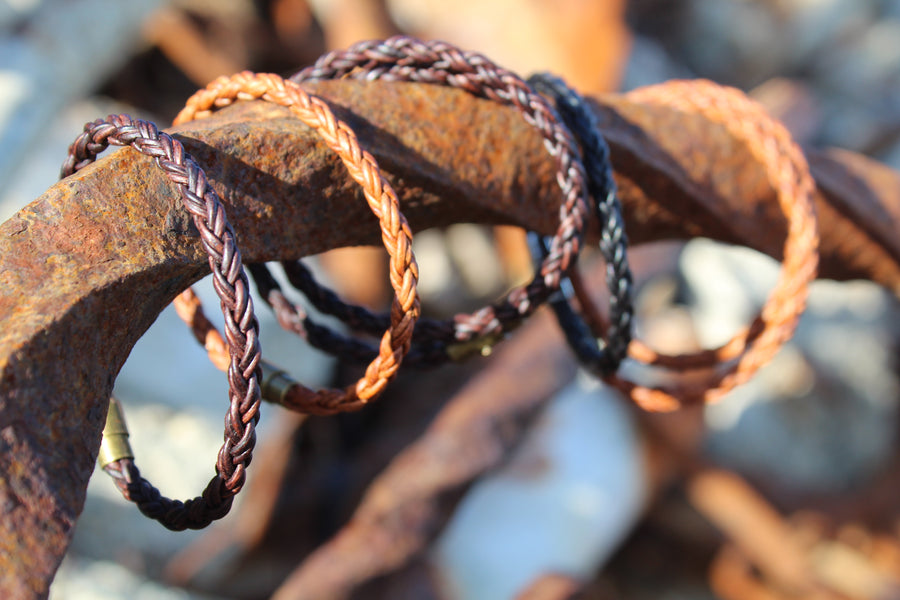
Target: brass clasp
[482,345]
[275,383]
[114,445]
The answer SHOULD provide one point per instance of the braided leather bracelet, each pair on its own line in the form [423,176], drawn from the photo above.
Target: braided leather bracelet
[601,356]
[754,345]
[406,59]
[244,375]
[788,172]
[395,233]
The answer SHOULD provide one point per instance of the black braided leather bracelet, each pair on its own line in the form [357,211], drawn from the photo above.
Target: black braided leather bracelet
[601,355]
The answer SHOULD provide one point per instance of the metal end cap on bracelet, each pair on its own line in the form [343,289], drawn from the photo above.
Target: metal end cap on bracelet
[114,445]
[275,383]
[482,345]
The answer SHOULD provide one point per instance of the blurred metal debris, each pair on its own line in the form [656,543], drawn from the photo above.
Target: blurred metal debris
[183,42]
[750,523]
[828,562]
[348,21]
[584,41]
[410,501]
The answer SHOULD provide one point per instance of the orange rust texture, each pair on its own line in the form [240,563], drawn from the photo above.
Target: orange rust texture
[86,268]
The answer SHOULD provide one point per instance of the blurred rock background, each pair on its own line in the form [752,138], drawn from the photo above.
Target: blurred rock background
[807,451]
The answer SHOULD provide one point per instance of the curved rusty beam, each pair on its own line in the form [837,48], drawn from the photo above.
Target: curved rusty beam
[88,266]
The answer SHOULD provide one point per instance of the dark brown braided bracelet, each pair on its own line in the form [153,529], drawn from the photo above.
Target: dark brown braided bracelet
[230,282]
[434,342]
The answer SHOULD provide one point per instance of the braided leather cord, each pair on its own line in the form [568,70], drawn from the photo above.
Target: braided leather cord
[788,172]
[426,350]
[190,310]
[601,356]
[395,233]
[403,58]
[242,360]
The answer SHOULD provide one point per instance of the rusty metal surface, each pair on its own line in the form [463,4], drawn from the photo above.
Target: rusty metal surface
[115,235]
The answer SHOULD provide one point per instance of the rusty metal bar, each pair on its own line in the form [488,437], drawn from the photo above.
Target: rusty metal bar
[87,267]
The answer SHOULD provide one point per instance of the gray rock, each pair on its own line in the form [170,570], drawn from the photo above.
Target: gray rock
[649,63]
[866,64]
[890,9]
[820,417]
[811,26]
[81,579]
[734,42]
